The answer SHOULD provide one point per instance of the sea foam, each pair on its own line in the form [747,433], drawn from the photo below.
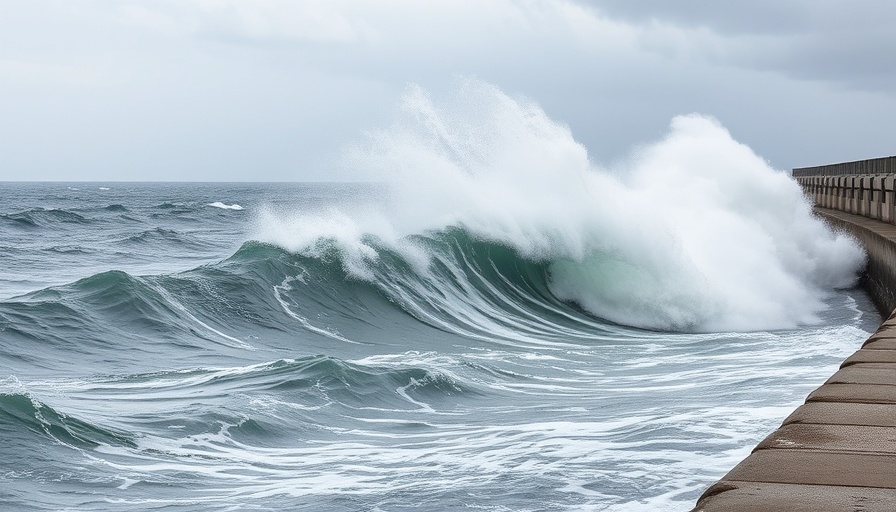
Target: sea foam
[693,232]
[223,206]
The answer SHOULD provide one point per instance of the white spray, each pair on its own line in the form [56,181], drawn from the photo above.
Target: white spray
[696,233]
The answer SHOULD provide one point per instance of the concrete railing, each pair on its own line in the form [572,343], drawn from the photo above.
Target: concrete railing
[858,188]
[868,195]
[885,165]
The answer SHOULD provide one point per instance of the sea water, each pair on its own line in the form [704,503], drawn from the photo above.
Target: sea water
[485,320]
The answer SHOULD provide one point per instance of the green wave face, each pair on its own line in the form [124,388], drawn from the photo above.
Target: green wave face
[21,415]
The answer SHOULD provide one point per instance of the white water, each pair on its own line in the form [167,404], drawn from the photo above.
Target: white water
[641,425]
[553,413]
[223,206]
[694,232]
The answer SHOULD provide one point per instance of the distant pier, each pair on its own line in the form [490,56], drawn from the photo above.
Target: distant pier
[837,452]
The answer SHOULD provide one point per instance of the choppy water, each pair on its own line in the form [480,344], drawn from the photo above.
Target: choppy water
[163,347]
[499,324]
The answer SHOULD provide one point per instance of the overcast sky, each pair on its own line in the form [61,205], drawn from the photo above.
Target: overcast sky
[270,90]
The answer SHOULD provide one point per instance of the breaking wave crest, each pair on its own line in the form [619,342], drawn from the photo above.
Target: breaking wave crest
[694,232]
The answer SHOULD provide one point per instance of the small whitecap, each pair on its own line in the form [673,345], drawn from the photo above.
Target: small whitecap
[224,206]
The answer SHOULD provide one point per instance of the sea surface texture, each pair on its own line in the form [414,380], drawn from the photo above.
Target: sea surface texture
[183,347]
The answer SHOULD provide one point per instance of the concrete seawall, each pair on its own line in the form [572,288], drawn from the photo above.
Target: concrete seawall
[837,452]
[866,189]
[879,240]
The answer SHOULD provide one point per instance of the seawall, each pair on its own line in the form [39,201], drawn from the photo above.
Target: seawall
[866,189]
[879,240]
[837,452]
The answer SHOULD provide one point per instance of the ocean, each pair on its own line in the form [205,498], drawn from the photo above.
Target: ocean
[484,319]
[200,346]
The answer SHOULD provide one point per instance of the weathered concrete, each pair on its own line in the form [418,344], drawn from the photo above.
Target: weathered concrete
[865,374]
[879,240]
[855,393]
[832,438]
[734,496]
[837,452]
[870,357]
[842,413]
[880,344]
[817,467]
[884,165]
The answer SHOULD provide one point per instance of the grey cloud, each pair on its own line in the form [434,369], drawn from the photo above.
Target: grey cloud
[849,43]
[165,89]
[754,17]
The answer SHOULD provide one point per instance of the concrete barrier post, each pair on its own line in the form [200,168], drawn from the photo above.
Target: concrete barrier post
[874,196]
[857,197]
[890,199]
[870,197]
[840,204]
[831,188]
[863,196]
[851,185]
[835,189]
[866,187]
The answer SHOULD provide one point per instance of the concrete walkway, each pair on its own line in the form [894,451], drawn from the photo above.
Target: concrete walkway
[838,451]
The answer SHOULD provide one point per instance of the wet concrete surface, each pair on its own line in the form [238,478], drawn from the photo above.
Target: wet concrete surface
[837,452]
